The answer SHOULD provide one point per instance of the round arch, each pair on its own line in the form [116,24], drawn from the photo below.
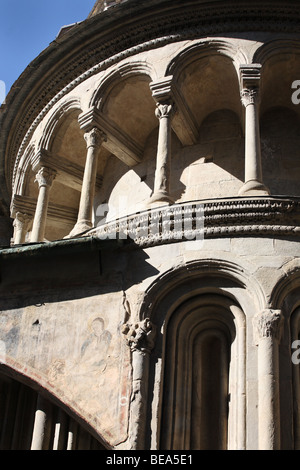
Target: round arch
[111,79]
[206,48]
[221,293]
[197,277]
[26,385]
[56,120]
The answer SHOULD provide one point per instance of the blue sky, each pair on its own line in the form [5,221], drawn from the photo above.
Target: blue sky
[28,26]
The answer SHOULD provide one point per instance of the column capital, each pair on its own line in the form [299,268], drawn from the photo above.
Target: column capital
[21,219]
[250,96]
[268,324]
[164,110]
[140,336]
[94,138]
[45,177]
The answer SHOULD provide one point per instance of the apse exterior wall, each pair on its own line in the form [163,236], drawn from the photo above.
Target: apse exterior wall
[87,318]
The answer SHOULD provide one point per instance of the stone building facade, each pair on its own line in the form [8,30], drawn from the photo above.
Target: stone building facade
[150,221]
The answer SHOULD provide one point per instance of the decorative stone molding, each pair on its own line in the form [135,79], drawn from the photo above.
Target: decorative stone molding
[222,218]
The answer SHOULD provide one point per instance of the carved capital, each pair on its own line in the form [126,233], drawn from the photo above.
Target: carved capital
[250,96]
[164,110]
[140,336]
[21,221]
[45,177]
[268,324]
[94,138]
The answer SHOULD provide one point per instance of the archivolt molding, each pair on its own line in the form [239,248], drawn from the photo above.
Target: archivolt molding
[205,48]
[55,120]
[208,219]
[285,293]
[121,72]
[214,276]
[274,48]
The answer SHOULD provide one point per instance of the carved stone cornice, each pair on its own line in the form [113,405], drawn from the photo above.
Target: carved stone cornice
[216,219]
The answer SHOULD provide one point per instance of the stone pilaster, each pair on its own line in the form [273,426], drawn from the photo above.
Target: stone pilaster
[44,177]
[140,338]
[267,331]
[250,96]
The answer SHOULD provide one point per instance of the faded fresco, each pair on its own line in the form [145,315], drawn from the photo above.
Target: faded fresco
[91,372]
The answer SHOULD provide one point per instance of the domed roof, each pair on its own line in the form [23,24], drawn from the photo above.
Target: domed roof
[101,5]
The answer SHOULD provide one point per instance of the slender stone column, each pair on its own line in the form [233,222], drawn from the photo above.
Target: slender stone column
[42,415]
[161,192]
[268,326]
[140,338]
[44,178]
[21,226]
[94,139]
[250,96]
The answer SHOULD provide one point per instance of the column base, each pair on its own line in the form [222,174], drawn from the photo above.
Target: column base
[79,228]
[160,198]
[253,188]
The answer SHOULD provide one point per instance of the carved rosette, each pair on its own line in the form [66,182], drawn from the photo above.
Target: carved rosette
[45,177]
[94,138]
[268,324]
[140,336]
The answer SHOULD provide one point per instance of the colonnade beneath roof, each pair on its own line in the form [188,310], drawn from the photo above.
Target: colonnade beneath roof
[171,114]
